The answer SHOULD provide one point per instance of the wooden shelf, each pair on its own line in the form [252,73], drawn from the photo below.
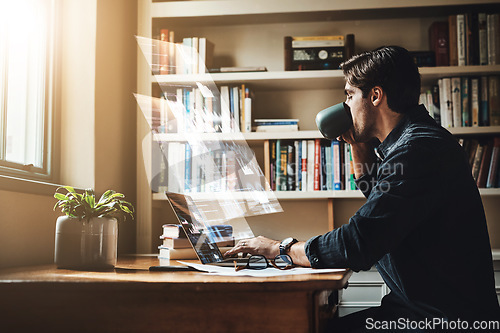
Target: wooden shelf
[298,195]
[489,191]
[259,137]
[254,137]
[308,80]
[242,8]
[474,130]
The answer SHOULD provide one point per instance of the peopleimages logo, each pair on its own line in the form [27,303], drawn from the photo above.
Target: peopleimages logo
[431,324]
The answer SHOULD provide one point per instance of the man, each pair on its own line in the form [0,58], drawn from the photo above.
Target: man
[423,225]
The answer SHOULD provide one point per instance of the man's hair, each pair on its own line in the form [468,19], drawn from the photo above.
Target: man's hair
[389,67]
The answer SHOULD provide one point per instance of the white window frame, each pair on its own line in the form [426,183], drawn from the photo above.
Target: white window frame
[48,172]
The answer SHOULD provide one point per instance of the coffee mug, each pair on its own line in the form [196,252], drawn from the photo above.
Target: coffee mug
[334,120]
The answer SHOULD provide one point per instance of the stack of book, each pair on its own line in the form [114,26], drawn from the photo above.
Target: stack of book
[191,56]
[484,159]
[176,245]
[309,165]
[466,39]
[464,101]
[276,125]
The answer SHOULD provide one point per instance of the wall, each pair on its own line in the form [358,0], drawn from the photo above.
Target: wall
[115,105]
[97,128]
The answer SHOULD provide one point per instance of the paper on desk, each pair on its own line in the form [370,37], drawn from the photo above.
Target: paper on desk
[269,272]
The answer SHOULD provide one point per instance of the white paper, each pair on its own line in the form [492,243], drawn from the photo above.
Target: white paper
[268,272]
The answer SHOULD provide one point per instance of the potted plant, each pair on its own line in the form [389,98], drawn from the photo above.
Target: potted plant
[87,235]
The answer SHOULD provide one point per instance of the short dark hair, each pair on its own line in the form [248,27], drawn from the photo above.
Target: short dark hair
[390,67]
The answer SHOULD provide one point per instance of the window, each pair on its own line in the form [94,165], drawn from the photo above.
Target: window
[26,88]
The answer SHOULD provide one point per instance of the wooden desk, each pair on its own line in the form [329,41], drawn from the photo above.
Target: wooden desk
[132,299]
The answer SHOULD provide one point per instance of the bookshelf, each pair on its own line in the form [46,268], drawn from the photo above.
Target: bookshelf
[250,33]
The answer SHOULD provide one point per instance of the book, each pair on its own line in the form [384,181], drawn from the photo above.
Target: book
[291,167]
[445,99]
[235,108]
[484,116]
[336,165]
[471,39]
[476,164]
[317,166]
[247,124]
[438,40]
[164,52]
[171,52]
[206,50]
[461,40]
[436,104]
[485,164]
[225,109]
[278,176]
[298,164]
[304,165]
[483,39]
[456,97]
[175,243]
[276,121]
[310,164]
[327,164]
[173,231]
[465,101]
[474,102]
[494,164]
[276,128]
[494,99]
[493,36]
[452,40]
[155,53]
[283,170]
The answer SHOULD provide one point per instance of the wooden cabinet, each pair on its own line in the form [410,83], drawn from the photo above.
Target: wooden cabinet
[250,33]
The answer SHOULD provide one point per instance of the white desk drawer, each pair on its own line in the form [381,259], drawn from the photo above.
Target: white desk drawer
[359,293]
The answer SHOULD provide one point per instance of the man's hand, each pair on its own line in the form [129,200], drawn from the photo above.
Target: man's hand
[258,245]
[347,136]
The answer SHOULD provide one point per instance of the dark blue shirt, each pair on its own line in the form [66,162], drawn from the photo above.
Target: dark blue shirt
[423,226]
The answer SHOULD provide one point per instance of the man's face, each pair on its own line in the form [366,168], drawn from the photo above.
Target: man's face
[362,115]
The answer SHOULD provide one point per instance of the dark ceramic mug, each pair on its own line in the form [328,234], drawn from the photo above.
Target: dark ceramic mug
[334,120]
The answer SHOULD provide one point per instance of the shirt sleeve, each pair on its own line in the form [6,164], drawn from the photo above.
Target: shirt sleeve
[394,207]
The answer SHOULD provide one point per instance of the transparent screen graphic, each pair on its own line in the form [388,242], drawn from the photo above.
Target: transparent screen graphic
[197,147]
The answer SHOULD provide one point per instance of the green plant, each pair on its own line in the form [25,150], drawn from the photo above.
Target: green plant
[84,206]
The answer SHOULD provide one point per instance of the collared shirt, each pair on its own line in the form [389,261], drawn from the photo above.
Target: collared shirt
[423,225]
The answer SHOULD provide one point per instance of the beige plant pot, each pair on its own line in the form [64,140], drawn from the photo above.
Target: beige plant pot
[86,244]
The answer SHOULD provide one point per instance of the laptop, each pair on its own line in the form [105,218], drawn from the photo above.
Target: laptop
[190,219]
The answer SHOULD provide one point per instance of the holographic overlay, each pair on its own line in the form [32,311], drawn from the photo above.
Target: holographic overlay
[196,145]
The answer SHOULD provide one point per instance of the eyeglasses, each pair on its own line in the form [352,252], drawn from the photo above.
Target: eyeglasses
[281,261]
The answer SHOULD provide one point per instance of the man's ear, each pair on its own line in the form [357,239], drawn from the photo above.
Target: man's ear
[377,96]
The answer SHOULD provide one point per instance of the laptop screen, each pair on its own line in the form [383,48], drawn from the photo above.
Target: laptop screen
[196,231]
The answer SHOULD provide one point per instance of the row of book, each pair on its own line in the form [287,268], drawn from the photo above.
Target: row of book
[466,39]
[185,170]
[195,110]
[464,101]
[309,165]
[191,56]
[176,245]
[484,159]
